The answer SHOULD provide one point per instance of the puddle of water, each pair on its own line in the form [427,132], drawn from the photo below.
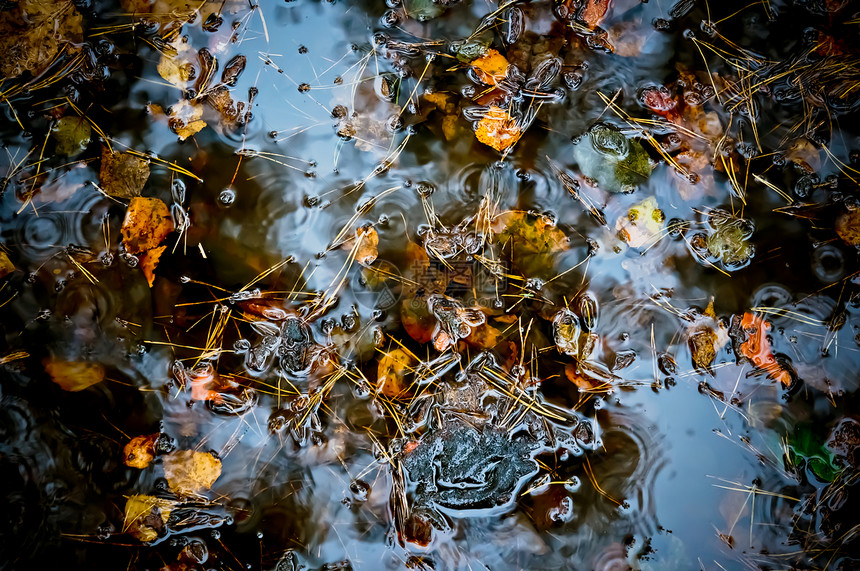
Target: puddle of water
[515,364]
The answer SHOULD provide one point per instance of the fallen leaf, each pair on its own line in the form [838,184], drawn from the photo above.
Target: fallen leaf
[643,224]
[185,119]
[423,10]
[177,63]
[147,223]
[705,336]
[72,135]
[74,376]
[146,516]
[757,348]
[393,366]
[531,240]
[6,265]
[490,67]
[32,32]
[593,11]
[189,472]
[848,226]
[497,129]
[366,245]
[607,156]
[417,320]
[140,451]
[122,175]
[148,261]
[484,336]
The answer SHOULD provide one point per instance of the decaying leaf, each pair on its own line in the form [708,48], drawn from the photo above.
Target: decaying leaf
[177,63]
[185,119]
[593,11]
[146,516]
[140,451]
[417,320]
[74,376]
[757,348]
[72,135]
[393,366]
[189,472]
[643,224]
[147,223]
[490,67]
[529,235]
[497,129]
[366,244]
[848,226]
[6,265]
[32,32]
[705,336]
[148,261]
[122,175]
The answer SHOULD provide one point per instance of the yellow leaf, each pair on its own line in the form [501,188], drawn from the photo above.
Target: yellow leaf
[147,223]
[140,451]
[6,265]
[391,369]
[177,64]
[149,261]
[145,516]
[491,67]
[498,129]
[848,226]
[189,472]
[74,376]
[185,119]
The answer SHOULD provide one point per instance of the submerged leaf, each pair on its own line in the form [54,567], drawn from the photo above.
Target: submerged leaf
[491,67]
[757,348]
[189,472]
[122,175]
[32,32]
[74,376]
[390,371]
[6,265]
[848,226]
[617,163]
[72,135]
[532,241]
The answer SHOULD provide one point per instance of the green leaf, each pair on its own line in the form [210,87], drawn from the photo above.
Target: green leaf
[423,10]
[617,163]
[72,135]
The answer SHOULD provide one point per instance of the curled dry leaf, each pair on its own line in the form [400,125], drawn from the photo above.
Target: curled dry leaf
[146,516]
[848,226]
[140,451]
[491,67]
[189,472]
[122,175]
[497,129]
[391,370]
[74,376]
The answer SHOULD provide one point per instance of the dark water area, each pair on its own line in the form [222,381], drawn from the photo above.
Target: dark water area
[429,285]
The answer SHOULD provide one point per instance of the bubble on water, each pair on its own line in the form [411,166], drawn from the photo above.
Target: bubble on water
[360,490]
[227,197]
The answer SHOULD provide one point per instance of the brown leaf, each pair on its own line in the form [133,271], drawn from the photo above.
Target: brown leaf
[417,320]
[185,119]
[594,11]
[177,63]
[189,472]
[140,451]
[368,242]
[74,376]
[848,226]
[146,516]
[32,33]
[147,223]
[122,175]
[148,261]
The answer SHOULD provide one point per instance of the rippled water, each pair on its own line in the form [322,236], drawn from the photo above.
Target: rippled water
[631,455]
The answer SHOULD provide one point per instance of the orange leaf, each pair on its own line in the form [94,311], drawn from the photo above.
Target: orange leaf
[392,368]
[140,451]
[147,222]
[498,129]
[757,348]
[148,262]
[594,11]
[74,376]
[491,68]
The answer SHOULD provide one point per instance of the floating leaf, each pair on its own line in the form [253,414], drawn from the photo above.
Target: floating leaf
[417,320]
[189,472]
[643,224]
[390,371]
[491,67]
[177,63]
[122,175]
[848,226]
[140,451]
[593,11]
[149,261]
[146,516]
[757,348]
[185,119]
[32,32]
[531,240]
[74,376]
[705,336]
[366,245]
[497,129]
[147,223]
[72,135]
[423,10]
